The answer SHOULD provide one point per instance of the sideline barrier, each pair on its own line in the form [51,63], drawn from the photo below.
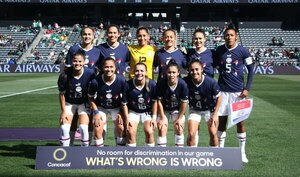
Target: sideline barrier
[46,68]
[199,158]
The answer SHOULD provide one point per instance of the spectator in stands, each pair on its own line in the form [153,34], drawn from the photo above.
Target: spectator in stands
[34,25]
[143,52]
[168,52]
[140,96]
[280,41]
[296,54]
[230,59]
[172,93]
[182,29]
[100,38]
[274,41]
[201,53]
[73,87]
[11,61]
[39,24]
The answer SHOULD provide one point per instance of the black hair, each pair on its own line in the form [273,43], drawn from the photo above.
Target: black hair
[172,62]
[113,25]
[230,28]
[142,28]
[199,30]
[195,60]
[87,27]
[99,68]
[170,29]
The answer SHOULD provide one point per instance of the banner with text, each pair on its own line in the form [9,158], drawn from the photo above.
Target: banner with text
[57,157]
[239,111]
[47,68]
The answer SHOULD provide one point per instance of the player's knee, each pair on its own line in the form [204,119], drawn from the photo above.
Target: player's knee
[149,132]
[131,130]
[191,134]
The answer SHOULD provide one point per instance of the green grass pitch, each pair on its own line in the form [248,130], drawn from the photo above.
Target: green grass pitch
[272,129]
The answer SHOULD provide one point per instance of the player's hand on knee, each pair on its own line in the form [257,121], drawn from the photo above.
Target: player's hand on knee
[119,120]
[63,118]
[97,120]
[153,124]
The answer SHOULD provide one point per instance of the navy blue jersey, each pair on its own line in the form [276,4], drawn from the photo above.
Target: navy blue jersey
[91,56]
[205,57]
[202,97]
[120,53]
[75,89]
[230,63]
[171,98]
[108,96]
[162,58]
[140,100]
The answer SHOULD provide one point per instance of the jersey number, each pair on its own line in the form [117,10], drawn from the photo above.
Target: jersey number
[142,106]
[198,104]
[109,102]
[228,67]
[142,59]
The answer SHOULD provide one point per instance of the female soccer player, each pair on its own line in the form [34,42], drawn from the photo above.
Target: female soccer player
[141,103]
[200,52]
[105,94]
[170,50]
[92,53]
[143,52]
[172,95]
[73,86]
[230,60]
[113,48]
[204,100]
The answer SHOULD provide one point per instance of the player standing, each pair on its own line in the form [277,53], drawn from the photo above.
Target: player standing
[230,60]
[200,52]
[204,100]
[143,52]
[142,104]
[114,49]
[73,85]
[172,95]
[92,53]
[168,52]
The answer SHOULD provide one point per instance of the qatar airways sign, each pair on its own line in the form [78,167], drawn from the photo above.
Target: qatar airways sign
[46,68]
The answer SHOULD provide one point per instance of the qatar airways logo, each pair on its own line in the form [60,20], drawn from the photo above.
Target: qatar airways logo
[214,1]
[30,68]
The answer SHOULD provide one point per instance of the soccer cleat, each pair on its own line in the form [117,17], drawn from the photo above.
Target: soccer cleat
[244,158]
[77,135]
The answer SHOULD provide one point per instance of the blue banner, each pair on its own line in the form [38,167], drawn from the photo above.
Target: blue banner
[56,157]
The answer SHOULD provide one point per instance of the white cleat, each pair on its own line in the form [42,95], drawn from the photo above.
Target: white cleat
[244,158]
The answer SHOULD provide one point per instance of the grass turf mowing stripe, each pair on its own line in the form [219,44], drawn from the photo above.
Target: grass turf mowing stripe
[28,91]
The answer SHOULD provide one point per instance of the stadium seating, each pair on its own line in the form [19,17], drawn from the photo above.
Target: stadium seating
[52,49]
[16,40]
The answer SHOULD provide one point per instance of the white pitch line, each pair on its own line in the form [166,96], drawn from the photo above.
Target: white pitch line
[29,91]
